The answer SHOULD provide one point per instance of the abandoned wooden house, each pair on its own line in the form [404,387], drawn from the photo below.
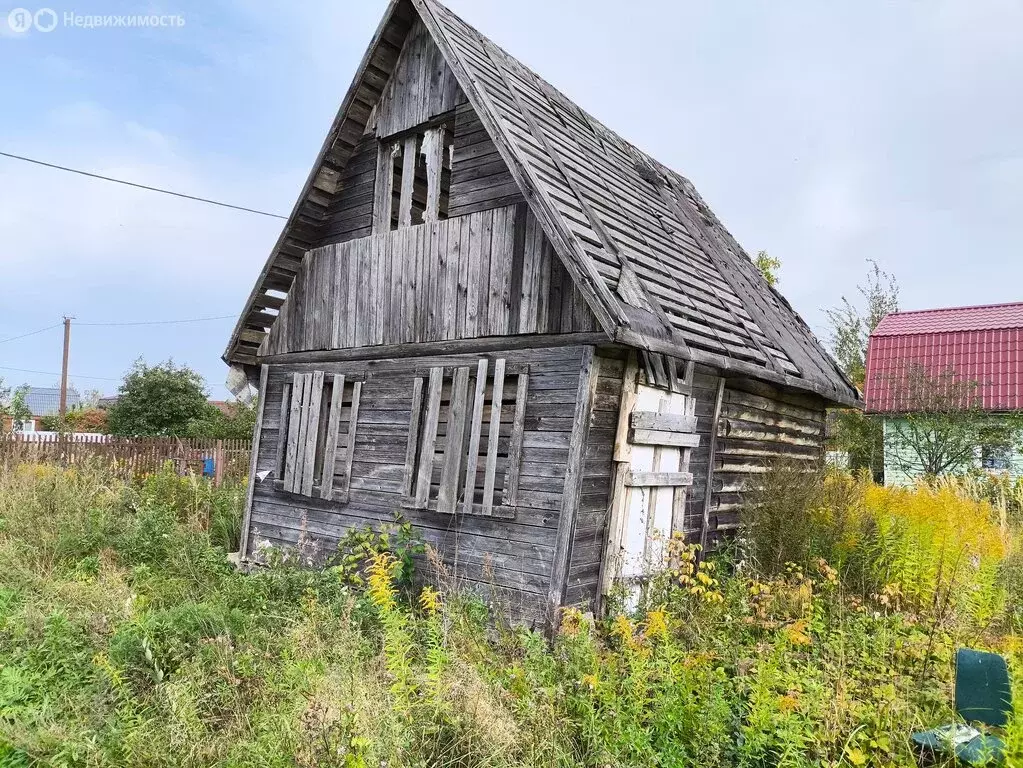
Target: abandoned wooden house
[494,316]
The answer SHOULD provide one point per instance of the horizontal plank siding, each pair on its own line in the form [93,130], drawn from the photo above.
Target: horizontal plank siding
[510,550]
[595,499]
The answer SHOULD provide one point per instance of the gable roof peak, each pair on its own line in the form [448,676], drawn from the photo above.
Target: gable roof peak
[655,265]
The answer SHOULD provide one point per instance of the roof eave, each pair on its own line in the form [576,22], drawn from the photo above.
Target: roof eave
[845,398]
[231,354]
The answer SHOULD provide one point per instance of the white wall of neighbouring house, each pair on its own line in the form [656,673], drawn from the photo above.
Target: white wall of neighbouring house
[896,474]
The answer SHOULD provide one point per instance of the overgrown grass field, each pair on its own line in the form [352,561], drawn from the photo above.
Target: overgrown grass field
[822,639]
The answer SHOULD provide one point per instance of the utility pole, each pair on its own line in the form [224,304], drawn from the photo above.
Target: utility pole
[63,370]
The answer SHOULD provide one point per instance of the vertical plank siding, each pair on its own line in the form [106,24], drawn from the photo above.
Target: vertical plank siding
[421,87]
[509,556]
[450,279]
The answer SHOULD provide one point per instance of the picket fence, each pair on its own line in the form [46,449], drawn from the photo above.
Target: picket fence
[131,457]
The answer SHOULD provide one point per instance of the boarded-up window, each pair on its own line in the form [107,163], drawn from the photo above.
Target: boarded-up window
[465,438]
[319,416]
[413,178]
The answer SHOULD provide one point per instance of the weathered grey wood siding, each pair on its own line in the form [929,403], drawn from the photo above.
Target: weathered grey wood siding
[590,532]
[510,559]
[350,214]
[758,423]
[421,88]
[480,179]
[492,273]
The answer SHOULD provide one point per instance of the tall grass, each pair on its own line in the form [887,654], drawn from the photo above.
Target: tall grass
[127,639]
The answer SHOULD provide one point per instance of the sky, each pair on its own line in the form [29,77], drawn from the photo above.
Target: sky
[827,133]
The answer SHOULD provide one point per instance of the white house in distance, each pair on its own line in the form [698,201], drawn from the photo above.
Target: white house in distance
[42,402]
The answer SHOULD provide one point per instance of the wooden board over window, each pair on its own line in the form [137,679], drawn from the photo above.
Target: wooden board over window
[319,417]
[465,439]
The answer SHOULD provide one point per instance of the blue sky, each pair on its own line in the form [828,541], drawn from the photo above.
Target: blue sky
[825,133]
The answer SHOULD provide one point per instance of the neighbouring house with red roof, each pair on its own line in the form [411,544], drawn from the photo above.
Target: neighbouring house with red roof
[980,346]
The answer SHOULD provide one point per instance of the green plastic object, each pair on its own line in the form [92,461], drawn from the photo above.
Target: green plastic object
[983,695]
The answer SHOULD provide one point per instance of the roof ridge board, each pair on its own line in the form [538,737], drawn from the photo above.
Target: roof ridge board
[939,310]
[945,331]
[576,262]
[326,148]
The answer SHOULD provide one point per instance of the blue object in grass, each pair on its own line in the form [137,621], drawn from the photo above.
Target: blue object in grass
[207,467]
[982,695]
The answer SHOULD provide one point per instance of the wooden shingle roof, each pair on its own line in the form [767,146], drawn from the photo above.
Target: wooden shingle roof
[657,267]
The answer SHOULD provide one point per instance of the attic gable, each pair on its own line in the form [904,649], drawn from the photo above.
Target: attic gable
[654,265]
[420,70]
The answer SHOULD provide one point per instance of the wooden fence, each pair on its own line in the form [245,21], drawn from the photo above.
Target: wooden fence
[131,457]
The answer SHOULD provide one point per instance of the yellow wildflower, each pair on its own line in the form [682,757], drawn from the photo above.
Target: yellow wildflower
[429,600]
[657,624]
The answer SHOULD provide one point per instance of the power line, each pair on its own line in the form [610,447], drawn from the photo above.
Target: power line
[141,186]
[52,373]
[162,322]
[33,333]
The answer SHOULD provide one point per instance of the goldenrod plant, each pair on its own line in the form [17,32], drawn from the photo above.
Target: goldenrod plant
[126,638]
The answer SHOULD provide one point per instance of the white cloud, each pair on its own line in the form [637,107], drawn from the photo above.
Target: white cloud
[54,221]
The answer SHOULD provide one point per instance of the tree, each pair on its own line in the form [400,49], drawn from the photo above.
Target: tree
[858,434]
[239,423]
[12,406]
[851,326]
[159,400]
[942,423]
[768,266]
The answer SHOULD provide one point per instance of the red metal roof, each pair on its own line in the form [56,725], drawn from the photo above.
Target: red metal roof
[982,344]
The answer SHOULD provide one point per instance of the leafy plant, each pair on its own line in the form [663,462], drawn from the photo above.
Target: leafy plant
[126,638]
[159,400]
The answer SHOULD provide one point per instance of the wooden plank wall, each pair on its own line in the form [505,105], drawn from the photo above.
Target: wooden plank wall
[350,214]
[480,179]
[492,273]
[421,87]
[508,559]
[758,423]
[303,228]
[591,519]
